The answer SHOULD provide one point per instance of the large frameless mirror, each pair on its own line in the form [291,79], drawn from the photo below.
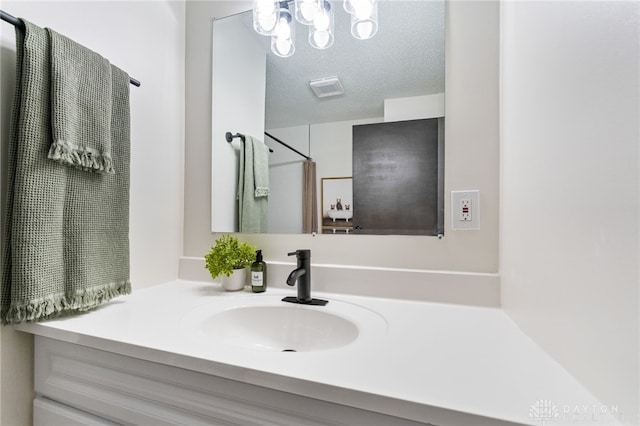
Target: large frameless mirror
[382,130]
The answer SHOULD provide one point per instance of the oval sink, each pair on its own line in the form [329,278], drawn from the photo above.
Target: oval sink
[268,324]
[280,328]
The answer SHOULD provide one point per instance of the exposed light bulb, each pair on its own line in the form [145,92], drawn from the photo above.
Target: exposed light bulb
[265,7]
[364,29]
[321,21]
[283,30]
[321,39]
[309,10]
[267,22]
[306,10]
[362,9]
[283,46]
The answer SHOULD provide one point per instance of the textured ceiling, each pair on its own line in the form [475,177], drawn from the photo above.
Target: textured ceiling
[405,58]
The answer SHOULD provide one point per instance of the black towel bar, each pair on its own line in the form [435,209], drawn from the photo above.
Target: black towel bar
[230,137]
[18,23]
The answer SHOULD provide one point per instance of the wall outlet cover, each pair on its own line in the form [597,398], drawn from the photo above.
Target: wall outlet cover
[465,210]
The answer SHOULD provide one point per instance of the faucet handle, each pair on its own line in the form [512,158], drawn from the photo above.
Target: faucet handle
[301,253]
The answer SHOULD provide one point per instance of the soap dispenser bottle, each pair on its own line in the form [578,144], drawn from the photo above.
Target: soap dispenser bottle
[258,274]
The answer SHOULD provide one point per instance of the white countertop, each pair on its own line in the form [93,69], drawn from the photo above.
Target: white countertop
[438,362]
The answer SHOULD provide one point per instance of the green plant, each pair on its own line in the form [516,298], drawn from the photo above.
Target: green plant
[228,254]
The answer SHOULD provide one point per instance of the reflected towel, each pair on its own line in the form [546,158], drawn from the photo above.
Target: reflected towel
[253,186]
[80,106]
[65,242]
[260,167]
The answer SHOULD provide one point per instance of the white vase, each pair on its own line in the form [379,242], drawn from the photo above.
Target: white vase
[236,281]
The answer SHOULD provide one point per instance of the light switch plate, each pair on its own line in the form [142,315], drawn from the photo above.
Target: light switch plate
[465,210]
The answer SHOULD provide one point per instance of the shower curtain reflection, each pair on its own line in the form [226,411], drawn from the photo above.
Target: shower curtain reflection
[309,198]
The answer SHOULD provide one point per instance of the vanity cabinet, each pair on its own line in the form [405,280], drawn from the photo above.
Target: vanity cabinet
[48,413]
[79,385]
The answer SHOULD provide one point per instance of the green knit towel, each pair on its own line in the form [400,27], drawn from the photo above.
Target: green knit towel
[65,245]
[80,106]
[253,188]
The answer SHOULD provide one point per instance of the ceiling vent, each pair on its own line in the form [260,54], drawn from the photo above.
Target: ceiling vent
[328,86]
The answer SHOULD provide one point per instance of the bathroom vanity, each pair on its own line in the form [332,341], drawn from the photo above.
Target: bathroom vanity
[177,354]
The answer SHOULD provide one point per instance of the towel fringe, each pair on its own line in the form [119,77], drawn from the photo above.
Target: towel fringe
[95,297]
[261,192]
[58,305]
[86,159]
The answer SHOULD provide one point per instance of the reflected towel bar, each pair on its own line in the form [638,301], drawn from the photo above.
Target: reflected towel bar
[230,137]
[287,146]
[18,23]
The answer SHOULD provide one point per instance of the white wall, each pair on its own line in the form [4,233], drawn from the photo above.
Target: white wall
[239,70]
[285,179]
[570,181]
[146,39]
[198,85]
[472,151]
[414,107]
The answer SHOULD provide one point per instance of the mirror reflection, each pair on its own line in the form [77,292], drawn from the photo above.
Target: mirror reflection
[395,77]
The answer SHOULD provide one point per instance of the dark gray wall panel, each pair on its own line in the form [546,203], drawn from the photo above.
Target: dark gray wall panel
[395,177]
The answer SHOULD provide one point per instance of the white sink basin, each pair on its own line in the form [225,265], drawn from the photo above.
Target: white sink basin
[280,328]
[266,323]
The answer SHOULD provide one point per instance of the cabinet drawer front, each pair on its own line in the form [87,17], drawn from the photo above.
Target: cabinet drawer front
[49,413]
[132,391]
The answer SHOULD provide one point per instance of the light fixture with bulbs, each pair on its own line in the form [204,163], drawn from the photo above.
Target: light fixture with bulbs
[275,19]
[283,36]
[264,16]
[364,19]
[321,30]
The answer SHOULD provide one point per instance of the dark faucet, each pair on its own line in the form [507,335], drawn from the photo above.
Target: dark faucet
[302,274]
